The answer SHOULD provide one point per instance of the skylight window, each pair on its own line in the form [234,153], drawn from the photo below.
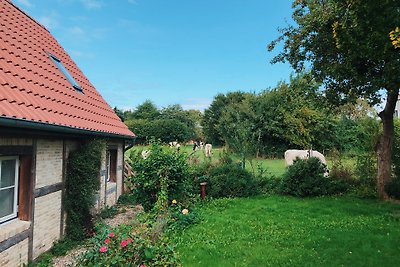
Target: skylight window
[64,71]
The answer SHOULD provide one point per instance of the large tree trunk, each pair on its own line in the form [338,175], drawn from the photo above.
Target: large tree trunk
[384,147]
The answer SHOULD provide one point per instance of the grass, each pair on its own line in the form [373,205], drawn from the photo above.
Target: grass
[285,231]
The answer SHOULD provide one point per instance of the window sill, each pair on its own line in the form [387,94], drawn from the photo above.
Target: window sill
[12,228]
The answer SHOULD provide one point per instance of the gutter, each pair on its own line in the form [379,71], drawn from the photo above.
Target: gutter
[40,126]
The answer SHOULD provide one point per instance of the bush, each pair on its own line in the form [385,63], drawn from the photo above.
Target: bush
[163,176]
[128,246]
[305,178]
[82,184]
[342,177]
[230,180]
[392,188]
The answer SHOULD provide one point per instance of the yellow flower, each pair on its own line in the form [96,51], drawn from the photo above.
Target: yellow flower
[174,201]
[185,211]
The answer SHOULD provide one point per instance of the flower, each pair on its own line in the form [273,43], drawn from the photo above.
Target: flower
[106,241]
[129,240]
[124,243]
[185,211]
[174,201]
[103,249]
[143,265]
[111,234]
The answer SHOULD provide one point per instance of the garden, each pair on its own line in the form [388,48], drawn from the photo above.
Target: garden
[257,211]
[247,218]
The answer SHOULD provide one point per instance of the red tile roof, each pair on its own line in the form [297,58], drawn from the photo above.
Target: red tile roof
[34,90]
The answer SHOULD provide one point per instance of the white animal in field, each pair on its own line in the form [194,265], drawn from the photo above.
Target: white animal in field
[208,148]
[173,144]
[201,144]
[145,154]
[292,154]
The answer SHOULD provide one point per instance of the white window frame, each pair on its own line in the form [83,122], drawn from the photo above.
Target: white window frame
[15,208]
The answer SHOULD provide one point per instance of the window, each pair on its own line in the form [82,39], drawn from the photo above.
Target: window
[64,71]
[8,188]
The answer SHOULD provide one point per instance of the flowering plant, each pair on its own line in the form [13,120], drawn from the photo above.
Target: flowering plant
[127,246]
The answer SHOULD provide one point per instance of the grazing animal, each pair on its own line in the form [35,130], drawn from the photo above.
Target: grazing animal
[292,154]
[208,148]
[201,145]
[145,154]
[173,144]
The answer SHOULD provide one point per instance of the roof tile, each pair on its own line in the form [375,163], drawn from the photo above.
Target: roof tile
[33,89]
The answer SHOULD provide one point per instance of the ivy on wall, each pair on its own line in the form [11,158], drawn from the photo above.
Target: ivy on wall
[82,184]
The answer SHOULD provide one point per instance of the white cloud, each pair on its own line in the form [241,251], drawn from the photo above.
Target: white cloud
[81,54]
[76,31]
[196,103]
[50,21]
[26,3]
[92,4]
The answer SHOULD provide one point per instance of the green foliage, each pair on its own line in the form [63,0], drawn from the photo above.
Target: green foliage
[82,184]
[392,188]
[108,212]
[169,124]
[334,39]
[128,246]
[127,199]
[230,180]
[212,115]
[181,217]
[339,48]
[305,178]
[165,173]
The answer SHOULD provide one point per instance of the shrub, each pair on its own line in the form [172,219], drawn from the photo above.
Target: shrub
[128,246]
[342,177]
[82,184]
[127,199]
[230,180]
[163,176]
[392,188]
[305,178]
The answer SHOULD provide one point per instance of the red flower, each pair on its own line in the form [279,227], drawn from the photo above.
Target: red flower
[103,249]
[143,265]
[129,240]
[106,241]
[124,243]
[111,234]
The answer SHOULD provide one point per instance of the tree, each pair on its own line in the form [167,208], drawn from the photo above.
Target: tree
[213,113]
[237,128]
[147,111]
[119,113]
[191,118]
[345,44]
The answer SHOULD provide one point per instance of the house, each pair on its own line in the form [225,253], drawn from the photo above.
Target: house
[47,109]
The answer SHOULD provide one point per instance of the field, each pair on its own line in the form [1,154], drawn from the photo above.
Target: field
[272,166]
[285,231]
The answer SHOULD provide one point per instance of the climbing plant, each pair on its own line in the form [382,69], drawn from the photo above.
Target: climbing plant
[82,184]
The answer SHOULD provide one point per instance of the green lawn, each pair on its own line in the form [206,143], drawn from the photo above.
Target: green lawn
[285,231]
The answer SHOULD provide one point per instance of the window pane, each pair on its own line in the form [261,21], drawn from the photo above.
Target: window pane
[6,202]
[7,173]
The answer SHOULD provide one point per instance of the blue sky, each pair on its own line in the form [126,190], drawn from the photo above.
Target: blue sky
[169,51]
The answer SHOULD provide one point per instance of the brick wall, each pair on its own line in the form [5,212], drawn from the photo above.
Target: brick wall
[16,255]
[49,160]
[47,218]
